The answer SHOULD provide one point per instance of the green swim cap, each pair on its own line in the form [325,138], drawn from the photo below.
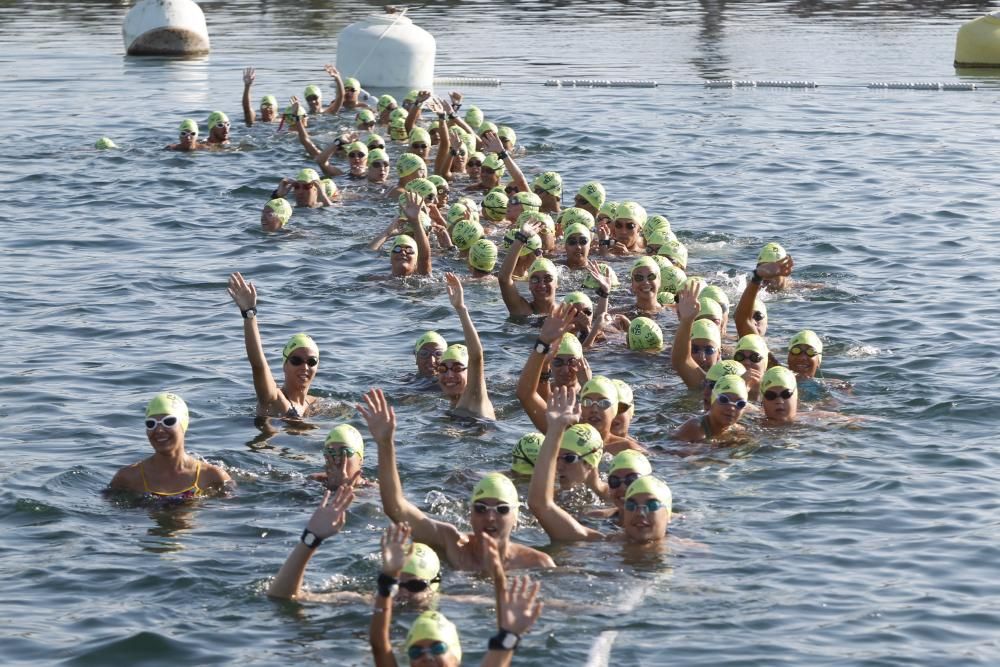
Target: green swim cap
[423,187]
[408,163]
[330,187]
[494,163]
[654,487]
[807,337]
[485,127]
[104,143]
[656,223]
[630,210]
[299,340]
[478,155]
[644,334]
[386,101]
[579,298]
[777,376]
[430,337]
[312,90]
[169,404]
[465,233]
[457,211]
[351,82]
[594,193]
[725,367]
[438,181]
[215,118]
[420,135]
[543,265]
[534,244]
[307,176]
[377,155]
[647,262]
[665,298]
[282,208]
[602,386]
[671,278]
[706,330]
[710,308]
[397,132]
[483,255]
[423,563]
[676,251]
[608,210]
[405,241]
[188,125]
[629,459]
[398,115]
[625,395]
[374,140]
[584,440]
[474,117]
[529,200]
[717,295]
[269,101]
[549,181]
[578,230]
[456,352]
[434,626]
[345,434]
[526,453]
[495,205]
[772,252]
[365,116]
[605,271]
[752,343]
[577,216]
[507,133]
[288,113]
[356,146]
[569,345]
[658,237]
[496,486]
[412,96]
[730,384]
[548,226]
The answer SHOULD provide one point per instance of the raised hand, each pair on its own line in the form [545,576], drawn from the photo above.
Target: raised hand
[559,322]
[518,606]
[594,269]
[249,76]
[531,228]
[395,548]
[435,106]
[423,96]
[243,293]
[562,410]
[379,415]
[411,209]
[687,300]
[783,267]
[330,517]
[455,294]
[332,71]
[491,143]
[456,97]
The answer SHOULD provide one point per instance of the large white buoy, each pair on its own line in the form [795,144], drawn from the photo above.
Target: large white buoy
[387,51]
[165,28]
[978,42]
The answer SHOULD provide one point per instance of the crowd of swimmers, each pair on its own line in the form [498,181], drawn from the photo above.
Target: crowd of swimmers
[459,192]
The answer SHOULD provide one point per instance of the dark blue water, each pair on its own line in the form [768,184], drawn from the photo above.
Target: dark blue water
[872,544]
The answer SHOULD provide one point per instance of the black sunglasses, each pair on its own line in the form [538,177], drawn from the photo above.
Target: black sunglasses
[754,357]
[785,394]
[614,481]
[298,361]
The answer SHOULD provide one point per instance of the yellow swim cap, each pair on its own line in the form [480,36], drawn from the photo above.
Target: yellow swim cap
[647,262]
[777,376]
[570,345]
[104,143]
[706,330]
[268,101]
[419,135]
[474,117]
[465,233]
[408,163]
[579,298]
[377,155]
[438,181]
[293,115]
[430,337]
[594,193]
[585,441]
[188,125]
[307,176]
[602,386]
[483,255]
[496,486]
[543,265]
[485,127]
[544,220]
[423,187]
[577,216]
[169,404]
[374,140]
[434,626]
[658,237]
[456,352]
[710,308]
[405,241]
[529,200]
[457,211]
[386,101]
[329,187]
[654,487]
[671,278]
[645,334]
[507,133]
[397,117]
[752,343]
[725,367]
[630,210]
[807,337]
[356,147]
[579,230]
[282,209]
[423,563]
[494,163]
[606,271]
[549,181]
[665,298]
[532,247]
[717,295]
[495,204]
[411,96]
[730,384]
[772,252]
[608,210]
[526,453]
[351,82]
[345,434]
[216,118]
[299,340]
[312,91]
[629,459]
[656,223]
[676,251]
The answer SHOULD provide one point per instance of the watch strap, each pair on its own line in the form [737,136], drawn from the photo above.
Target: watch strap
[387,586]
[603,293]
[310,539]
[756,279]
[245,313]
[504,641]
[520,236]
[541,347]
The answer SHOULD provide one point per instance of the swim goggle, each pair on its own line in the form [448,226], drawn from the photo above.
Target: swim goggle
[758,316]
[725,400]
[482,508]
[576,239]
[167,421]
[437,648]
[420,146]
[559,362]
[437,353]
[649,277]
[709,350]
[624,225]
[535,280]
[651,505]
[298,361]
[785,394]
[455,368]
[418,585]
[800,349]
[754,357]
[376,145]
[342,452]
[357,154]
[405,249]
[602,403]
[614,481]
[570,458]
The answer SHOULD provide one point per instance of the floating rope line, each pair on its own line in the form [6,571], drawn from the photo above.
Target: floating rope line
[463,81]
[598,83]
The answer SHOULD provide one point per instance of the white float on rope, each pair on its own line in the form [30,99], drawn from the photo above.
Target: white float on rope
[165,28]
[387,51]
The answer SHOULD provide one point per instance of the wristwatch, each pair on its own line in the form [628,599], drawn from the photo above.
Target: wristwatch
[504,641]
[387,586]
[249,313]
[502,155]
[601,292]
[520,236]
[311,539]
[756,279]
[541,347]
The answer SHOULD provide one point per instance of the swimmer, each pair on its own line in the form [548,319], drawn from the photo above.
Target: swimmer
[626,468]
[170,474]
[410,254]
[577,240]
[779,393]
[548,186]
[647,506]
[805,354]
[276,214]
[599,406]
[307,188]
[494,506]
[386,105]
[300,361]
[343,454]
[378,166]
[443,191]
[427,352]
[492,144]
[339,146]
[626,410]
[432,639]
[645,276]
[751,351]
[460,372]
[188,138]
[526,453]
[584,319]
[483,259]
[348,92]
[590,197]
[751,315]
[717,295]
[676,252]
[543,279]
[557,358]
[218,129]
[457,155]
[623,232]
[697,345]
[729,400]
[474,169]
[268,104]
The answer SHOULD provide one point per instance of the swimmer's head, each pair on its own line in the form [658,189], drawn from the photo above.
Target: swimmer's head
[307,175]
[577,230]
[104,143]
[654,487]
[772,252]
[495,164]
[706,330]
[647,263]
[580,299]
[386,102]
[805,353]
[217,118]
[190,126]
[645,334]
[724,367]
[485,127]
[457,211]
[507,136]
[298,341]
[585,441]
[710,310]
[379,156]
[549,182]
[630,210]
[526,453]
[671,278]
[544,265]
[419,135]
[365,117]
[546,225]
[269,101]
[608,210]
[658,237]
[423,187]
[592,193]
[465,233]
[329,187]
[570,346]
[656,223]
[730,384]
[429,337]
[676,252]
[456,352]
[717,295]
[808,338]
[432,627]
[341,438]
[528,200]
[312,90]
[495,205]
[474,117]
[629,459]
[423,563]
[405,241]
[483,255]
[277,212]
[409,164]
[778,376]
[577,216]
[169,404]
[352,84]
[626,397]
[754,344]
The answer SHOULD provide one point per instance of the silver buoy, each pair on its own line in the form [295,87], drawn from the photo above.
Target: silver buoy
[165,28]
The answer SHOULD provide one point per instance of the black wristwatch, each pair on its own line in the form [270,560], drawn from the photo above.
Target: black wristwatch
[249,313]
[603,293]
[340,143]
[606,243]
[756,279]
[546,376]
[502,155]
[520,236]
[387,586]
[541,347]
[311,539]
[452,116]
[504,641]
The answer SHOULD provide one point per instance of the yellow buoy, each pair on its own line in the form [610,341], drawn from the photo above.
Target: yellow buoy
[978,42]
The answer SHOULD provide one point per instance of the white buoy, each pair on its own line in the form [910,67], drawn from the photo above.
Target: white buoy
[978,42]
[165,28]
[387,51]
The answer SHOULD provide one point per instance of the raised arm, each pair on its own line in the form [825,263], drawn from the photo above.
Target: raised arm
[249,115]
[550,335]
[491,144]
[380,240]
[601,309]
[680,356]
[244,294]
[394,554]
[744,309]
[442,163]
[325,522]
[338,99]
[303,134]
[414,115]
[412,212]
[381,419]
[323,159]
[561,412]
[517,605]
[516,304]
[475,398]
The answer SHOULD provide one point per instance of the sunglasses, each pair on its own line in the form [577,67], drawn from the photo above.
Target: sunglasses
[425,354]
[752,356]
[708,350]
[337,453]
[725,400]
[348,90]
[376,145]
[357,154]
[602,403]
[454,368]
[298,361]
[418,585]
[799,349]
[758,316]
[189,134]
[419,147]
[649,277]
[570,458]
[502,509]
[474,163]
[167,421]
[652,249]
[614,481]
[536,280]
[510,189]
[624,225]
[437,648]
[784,393]
[650,506]
[559,362]
[404,249]
[577,240]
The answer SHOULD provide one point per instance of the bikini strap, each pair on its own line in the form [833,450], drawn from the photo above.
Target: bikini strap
[197,476]
[145,484]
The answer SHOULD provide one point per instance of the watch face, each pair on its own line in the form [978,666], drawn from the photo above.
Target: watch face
[251,314]
[509,640]
[540,348]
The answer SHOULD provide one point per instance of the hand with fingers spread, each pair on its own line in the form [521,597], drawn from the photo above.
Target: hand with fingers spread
[332,71]
[531,228]
[244,293]
[491,143]
[562,410]
[396,547]
[435,106]
[770,270]
[330,516]
[594,269]
[411,209]
[556,324]
[688,306]
[249,76]
[379,415]
[456,98]
[518,606]
[423,96]
[455,294]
